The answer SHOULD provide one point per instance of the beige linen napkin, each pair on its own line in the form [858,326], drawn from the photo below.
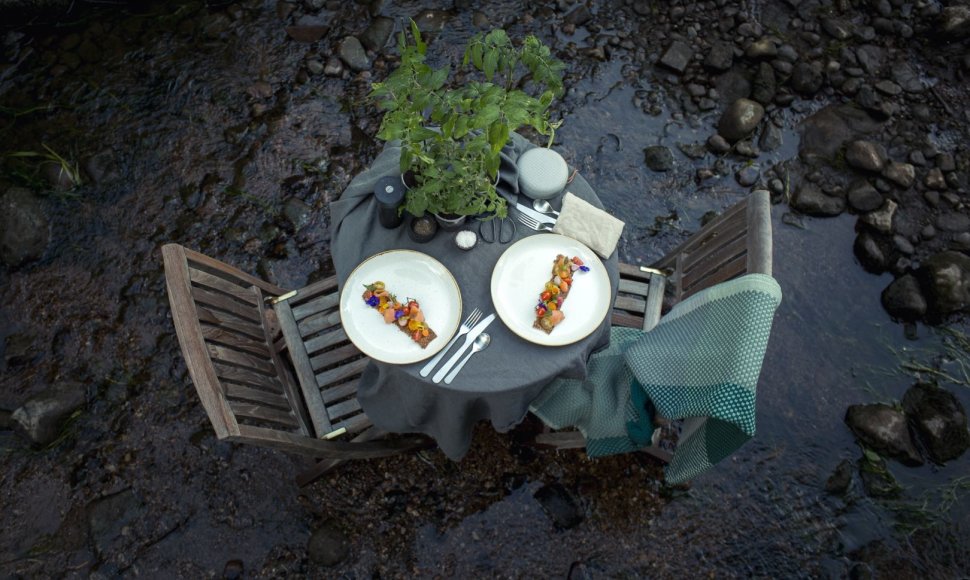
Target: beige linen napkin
[584,222]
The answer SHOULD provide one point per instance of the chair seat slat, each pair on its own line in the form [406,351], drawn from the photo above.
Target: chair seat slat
[322,341]
[321,304]
[340,391]
[235,340]
[216,318]
[246,377]
[343,409]
[222,302]
[234,391]
[223,285]
[223,354]
[318,322]
[347,371]
[262,413]
[335,356]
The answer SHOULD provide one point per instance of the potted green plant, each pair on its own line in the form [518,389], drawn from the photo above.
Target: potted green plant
[452,130]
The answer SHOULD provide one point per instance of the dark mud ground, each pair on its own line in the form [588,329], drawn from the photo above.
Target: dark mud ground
[210,126]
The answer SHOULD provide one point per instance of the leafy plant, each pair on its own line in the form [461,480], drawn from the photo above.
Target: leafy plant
[451,137]
[66,170]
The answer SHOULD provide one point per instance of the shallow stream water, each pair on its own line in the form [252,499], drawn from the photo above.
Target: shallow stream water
[207,138]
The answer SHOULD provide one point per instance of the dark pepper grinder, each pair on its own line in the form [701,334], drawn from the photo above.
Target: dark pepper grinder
[389,192]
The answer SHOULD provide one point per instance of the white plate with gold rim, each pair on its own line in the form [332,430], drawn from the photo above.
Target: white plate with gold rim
[406,274]
[523,270]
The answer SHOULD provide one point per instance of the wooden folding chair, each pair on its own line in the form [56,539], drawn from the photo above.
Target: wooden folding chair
[735,243]
[272,367]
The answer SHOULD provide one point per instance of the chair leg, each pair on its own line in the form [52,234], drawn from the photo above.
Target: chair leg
[314,473]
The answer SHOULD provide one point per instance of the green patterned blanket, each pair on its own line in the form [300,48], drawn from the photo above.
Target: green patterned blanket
[700,363]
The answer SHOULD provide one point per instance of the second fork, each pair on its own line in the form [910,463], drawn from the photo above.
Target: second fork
[532,223]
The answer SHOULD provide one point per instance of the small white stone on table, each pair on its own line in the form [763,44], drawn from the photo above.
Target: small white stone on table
[466,239]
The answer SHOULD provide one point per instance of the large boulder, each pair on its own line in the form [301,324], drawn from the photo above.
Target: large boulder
[740,119]
[939,419]
[885,430]
[40,418]
[946,277]
[903,299]
[24,229]
[825,132]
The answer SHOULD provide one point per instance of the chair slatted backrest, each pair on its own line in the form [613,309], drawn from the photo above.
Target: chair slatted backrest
[735,243]
[218,313]
[328,366]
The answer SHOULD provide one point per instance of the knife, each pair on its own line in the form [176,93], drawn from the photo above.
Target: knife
[469,338]
[542,217]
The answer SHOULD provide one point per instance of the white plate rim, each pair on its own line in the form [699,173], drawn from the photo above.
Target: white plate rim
[425,353]
[550,339]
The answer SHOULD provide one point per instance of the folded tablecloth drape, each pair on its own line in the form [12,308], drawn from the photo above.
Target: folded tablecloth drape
[700,363]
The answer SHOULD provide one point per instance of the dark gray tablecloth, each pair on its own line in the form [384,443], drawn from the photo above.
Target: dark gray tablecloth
[497,384]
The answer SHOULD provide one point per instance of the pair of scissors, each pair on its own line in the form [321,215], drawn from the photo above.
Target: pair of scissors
[495,230]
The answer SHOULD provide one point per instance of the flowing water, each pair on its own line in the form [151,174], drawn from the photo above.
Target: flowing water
[206,139]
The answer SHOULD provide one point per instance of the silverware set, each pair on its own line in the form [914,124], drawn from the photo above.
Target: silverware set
[472,329]
[532,223]
[540,217]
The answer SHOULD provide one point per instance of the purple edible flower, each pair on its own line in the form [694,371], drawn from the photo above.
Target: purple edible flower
[373,301]
[398,313]
[584,268]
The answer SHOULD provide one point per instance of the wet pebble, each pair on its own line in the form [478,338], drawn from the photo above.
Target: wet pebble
[863,197]
[377,33]
[748,175]
[718,144]
[840,480]
[866,155]
[806,78]
[935,179]
[333,68]
[810,200]
[351,51]
[658,158]
[870,253]
[881,220]
[308,29]
[720,57]
[902,174]
[677,56]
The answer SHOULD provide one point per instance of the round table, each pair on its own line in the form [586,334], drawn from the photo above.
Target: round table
[395,397]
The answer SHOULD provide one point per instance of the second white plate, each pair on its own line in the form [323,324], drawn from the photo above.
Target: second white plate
[519,277]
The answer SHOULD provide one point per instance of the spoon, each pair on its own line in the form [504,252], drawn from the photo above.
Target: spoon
[543,206]
[481,343]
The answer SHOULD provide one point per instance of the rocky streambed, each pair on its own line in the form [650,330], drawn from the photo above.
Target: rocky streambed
[229,128]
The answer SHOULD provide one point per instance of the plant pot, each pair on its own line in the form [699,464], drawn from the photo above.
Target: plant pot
[450,222]
[422,229]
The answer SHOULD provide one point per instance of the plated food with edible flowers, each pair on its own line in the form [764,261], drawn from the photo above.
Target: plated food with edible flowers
[548,311]
[406,315]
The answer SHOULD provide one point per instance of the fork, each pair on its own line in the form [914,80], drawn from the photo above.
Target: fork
[471,321]
[532,223]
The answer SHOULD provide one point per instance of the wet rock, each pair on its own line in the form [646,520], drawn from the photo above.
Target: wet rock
[762,48]
[296,212]
[333,68]
[109,516]
[578,17]
[806,78]
[881,219]
[718,144]
[907,78]
[903,299]
[870,253]
[233,570]
[745,149]
[889,88]
[748,175]
[764,86]
[934,179]
[863,197]
[945,162]
[902,174]
[377,33]
[41,417]
[308,29]
[939,419]
[884,429]
[824,133]
[559,505]
[677,56]
[955,21]
[840,480]
[328,546]
[953,222]
[946,277]
[837,28]
[693,150]
[740,119]
[351,51]
[866,155]
[876,478]
[314,66]
[771,137]
[433,20]
[810,200]
[870,58]
[24,228]
[658,158]
[732,86]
